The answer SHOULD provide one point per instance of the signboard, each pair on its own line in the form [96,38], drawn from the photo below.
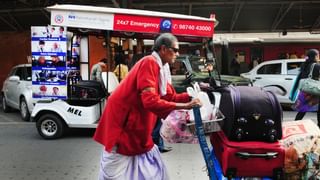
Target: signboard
[48,50]
[73,57]
[129,20]
[146,24]
[82,19]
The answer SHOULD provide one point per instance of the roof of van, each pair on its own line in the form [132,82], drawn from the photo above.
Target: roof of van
[82,8]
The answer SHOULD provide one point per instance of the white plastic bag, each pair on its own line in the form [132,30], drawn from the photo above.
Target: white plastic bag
[207,109]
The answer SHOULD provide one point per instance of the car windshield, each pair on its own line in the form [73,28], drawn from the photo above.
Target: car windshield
[29,73]
[191,64]
[197,63]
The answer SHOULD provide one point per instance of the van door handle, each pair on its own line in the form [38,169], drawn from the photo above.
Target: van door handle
[258,78]
[287,78]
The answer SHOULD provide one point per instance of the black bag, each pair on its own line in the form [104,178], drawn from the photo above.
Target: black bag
[89,89]
[252,114]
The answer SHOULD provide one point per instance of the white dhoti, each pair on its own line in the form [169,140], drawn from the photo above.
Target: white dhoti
[147,166]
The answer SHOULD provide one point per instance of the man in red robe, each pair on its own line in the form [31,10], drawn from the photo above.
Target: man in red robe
[128,120]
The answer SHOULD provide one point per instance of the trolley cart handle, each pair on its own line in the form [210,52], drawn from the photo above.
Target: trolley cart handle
[268,155]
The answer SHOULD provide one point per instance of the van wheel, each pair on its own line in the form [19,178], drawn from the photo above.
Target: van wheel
[50,126]
[5,107]
[24,111]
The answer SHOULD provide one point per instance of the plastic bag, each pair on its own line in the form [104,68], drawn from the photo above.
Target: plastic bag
[207,108]
[174,128]
[179,126]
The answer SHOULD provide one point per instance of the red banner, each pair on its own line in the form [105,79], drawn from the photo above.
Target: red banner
[130,23]
[144,24]
[192,28]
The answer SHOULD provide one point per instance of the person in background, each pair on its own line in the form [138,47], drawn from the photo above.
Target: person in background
[97,69]
[136,57]
[121,69]
[254,62]
[304,100]
[235,66]
[129,117]
[293,56]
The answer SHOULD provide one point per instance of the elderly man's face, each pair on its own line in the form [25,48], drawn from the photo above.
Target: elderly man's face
[170,53]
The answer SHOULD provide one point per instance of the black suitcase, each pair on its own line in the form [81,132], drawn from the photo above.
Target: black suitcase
[251,114]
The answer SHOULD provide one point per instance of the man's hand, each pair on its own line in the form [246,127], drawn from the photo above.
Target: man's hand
[189,105]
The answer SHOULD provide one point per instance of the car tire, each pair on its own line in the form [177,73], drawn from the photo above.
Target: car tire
[5,106]
[50,126]
[24,110]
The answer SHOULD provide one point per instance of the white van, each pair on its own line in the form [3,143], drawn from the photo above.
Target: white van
[277,76]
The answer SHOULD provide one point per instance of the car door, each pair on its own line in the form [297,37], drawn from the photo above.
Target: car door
[9,84]
[16,87]
[271,77]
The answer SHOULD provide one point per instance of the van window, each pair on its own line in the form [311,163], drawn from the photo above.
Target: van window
[270,69]
[293,68]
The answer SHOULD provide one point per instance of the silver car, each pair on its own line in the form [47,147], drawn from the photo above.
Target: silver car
[16,92]
[277,76]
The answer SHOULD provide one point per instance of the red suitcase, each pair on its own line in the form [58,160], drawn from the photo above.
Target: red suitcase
[248,158]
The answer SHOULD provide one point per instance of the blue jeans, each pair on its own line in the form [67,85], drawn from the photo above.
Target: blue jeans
[157,139]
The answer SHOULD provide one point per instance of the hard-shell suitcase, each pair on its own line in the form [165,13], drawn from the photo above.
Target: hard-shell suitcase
[248,158]
[251,113]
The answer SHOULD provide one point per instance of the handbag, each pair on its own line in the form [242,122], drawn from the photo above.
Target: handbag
[310,85]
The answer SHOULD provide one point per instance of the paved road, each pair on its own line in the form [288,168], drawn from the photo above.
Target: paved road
[24,155]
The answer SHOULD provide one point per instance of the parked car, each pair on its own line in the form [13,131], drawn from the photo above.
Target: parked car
[277,76]
[188,69]
[16,92]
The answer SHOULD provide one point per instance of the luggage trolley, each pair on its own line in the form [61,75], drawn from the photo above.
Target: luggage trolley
[212,163]
[215,171]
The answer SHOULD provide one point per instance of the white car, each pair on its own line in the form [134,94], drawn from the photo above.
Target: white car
[277,76]
[16,92]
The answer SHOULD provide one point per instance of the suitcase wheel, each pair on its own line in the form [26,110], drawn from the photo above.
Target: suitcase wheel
[278,174]
[231,173]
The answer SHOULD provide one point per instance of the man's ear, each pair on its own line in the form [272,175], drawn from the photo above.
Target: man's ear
[162,49]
